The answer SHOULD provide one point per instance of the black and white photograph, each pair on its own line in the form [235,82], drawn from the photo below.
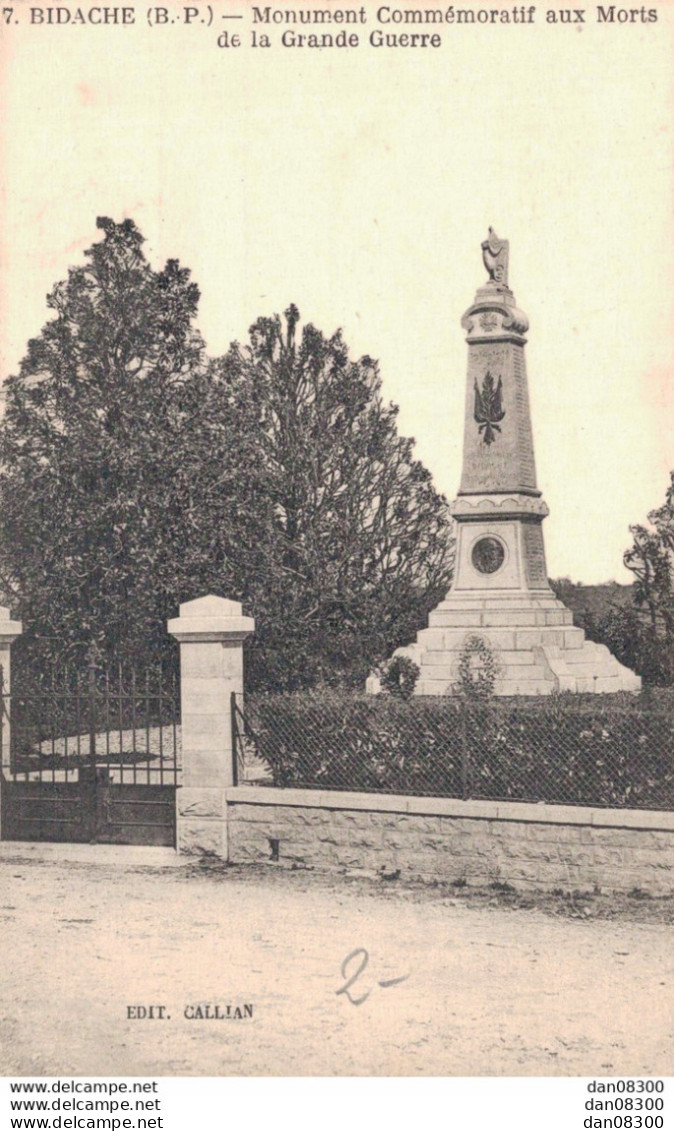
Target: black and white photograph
[336,558]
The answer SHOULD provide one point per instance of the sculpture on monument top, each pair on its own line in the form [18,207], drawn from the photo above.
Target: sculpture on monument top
[495,258]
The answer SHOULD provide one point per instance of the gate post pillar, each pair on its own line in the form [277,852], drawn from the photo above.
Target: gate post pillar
[9,630]
[211,631]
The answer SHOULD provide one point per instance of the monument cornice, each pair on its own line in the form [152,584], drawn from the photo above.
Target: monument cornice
[507,321]
[510,491]
[507,505]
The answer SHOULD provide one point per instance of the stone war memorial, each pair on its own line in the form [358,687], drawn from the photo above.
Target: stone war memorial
[500,597]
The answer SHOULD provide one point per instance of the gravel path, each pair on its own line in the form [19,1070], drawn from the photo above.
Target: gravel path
[488,990]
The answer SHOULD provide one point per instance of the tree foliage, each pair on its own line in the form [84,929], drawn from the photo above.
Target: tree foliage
[117,495]
[359,544]
[135,473]
[636,622]
[84,443]
[651,560]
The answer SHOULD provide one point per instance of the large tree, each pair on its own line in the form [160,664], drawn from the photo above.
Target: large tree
[360,544]
[635,621]
[136,473]
[110,470]
[651,560]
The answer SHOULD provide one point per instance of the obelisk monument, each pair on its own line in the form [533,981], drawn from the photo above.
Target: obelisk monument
[500,592]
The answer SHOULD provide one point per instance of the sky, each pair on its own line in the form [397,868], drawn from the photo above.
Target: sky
[359,185]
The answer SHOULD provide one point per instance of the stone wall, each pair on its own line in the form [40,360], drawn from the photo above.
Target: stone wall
[526,845]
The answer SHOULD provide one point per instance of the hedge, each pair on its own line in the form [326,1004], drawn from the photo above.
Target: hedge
[581,750]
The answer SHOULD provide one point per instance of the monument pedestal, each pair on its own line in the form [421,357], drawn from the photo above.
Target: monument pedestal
[534,642]
[501,593]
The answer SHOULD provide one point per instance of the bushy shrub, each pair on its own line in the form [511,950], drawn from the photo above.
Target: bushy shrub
[399,676]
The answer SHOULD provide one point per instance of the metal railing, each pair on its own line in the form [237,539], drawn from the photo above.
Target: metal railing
[66,721]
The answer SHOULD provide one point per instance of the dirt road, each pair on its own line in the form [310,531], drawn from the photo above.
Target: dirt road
[490,987]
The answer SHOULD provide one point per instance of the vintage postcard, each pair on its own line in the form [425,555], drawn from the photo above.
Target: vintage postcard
[337,737]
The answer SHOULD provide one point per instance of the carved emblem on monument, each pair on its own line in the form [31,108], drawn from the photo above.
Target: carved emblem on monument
[489,411]
[489,320]
[495,258]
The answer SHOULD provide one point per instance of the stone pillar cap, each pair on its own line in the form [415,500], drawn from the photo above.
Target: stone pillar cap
[210,618]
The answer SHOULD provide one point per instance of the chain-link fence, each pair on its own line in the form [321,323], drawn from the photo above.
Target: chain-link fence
[615,751]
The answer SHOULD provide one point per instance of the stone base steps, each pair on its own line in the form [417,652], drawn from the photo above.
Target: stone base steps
[500,600]
[591,669]
[496,618]
[515,638]
[536,657]
[427,686]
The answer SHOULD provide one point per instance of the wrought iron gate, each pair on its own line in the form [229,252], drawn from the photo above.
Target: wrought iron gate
[90,755]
